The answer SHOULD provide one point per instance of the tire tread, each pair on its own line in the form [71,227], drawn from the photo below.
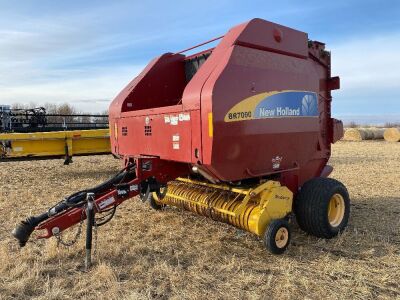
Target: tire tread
[311,205]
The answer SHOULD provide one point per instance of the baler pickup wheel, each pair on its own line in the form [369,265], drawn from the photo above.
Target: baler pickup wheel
[154,198]
[277,236]
[322,207]
[154,204]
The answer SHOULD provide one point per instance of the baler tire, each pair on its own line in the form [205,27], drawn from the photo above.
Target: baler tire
[153,203]
[313,203]
[275,244]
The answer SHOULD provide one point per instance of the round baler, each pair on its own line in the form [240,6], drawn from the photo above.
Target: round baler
[240,133]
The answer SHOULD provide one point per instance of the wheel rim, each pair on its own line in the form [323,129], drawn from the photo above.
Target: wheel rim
[336,210]
[281,237]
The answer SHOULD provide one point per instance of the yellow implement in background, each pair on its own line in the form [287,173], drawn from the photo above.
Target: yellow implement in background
[54,144]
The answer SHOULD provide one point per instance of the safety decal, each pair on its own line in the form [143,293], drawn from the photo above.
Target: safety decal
[175,119]
[133,187]
[18,149]
[106,202]
[275,104]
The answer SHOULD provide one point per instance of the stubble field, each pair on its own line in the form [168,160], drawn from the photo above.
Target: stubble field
[144,254]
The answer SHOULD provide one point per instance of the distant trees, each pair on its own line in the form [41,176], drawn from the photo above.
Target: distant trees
[352,124]
[23,106]
[60,109]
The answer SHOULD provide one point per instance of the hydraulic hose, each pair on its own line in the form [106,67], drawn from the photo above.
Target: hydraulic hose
[25,228]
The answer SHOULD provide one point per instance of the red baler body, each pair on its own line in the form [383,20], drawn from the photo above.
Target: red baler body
[258,104]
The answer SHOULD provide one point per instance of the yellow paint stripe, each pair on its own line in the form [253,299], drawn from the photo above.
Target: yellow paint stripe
[115,131]
[54,135]
[210,125]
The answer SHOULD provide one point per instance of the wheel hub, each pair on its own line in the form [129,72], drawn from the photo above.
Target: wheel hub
[336,209]
[281,237]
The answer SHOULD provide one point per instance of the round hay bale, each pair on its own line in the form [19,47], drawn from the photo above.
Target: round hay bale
[377,133]
[352,134]
[392,135]
[361,134]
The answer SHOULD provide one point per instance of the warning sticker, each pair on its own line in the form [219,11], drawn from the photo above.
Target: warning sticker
[184,117]
[174,120]
[133,187]
[106,202]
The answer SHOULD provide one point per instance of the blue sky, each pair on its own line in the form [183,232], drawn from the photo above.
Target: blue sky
[85,52]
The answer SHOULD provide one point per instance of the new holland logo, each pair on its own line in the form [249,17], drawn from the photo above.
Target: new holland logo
[275,104]
[308,105]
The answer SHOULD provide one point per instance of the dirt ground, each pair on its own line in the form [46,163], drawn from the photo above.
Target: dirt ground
[144,253]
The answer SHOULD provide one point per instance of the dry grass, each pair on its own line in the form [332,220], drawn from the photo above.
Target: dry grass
[145,254]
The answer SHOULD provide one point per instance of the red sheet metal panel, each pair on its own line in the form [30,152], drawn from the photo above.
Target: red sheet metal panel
[166,135]
[264,35]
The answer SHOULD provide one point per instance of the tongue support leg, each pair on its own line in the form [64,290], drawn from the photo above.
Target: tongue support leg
[89,229]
